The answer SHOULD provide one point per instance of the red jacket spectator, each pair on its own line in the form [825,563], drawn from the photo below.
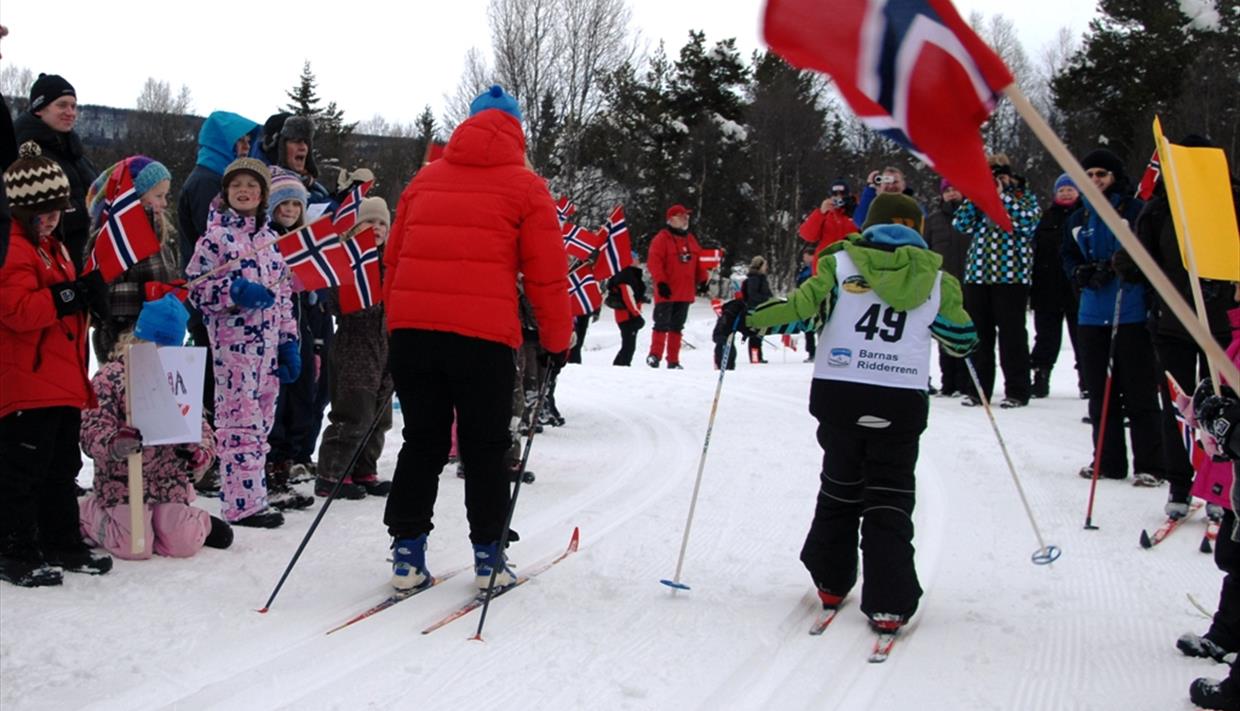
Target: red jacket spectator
[452,261]
[824,229]
[675,260]
[42,356]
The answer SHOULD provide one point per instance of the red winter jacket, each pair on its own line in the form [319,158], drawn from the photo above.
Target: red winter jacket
[43,360]
[825,229]
[465,226]
[676,261]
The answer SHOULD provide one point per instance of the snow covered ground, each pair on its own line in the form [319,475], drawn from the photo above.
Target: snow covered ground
[1095,630]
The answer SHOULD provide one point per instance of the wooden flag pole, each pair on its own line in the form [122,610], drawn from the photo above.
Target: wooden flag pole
[1123,233]
[1190,252]
[137,519]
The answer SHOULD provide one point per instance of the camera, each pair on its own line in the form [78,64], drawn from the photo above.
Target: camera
[884,179]
[838,202]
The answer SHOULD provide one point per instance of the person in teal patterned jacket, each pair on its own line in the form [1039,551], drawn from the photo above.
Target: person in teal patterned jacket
[884,297]
[997,275]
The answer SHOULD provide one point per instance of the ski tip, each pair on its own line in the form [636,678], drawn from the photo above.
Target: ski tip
[262,610]
[675,585]
[1145,540]
[575,540]
[1046,555]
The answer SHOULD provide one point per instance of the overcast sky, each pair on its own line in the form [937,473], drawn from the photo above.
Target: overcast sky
[379,57]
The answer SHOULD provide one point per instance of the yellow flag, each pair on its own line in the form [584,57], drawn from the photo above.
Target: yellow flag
[1199,190]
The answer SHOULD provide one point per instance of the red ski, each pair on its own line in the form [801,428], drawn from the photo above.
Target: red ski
[824,620]
[1149,541]
[394,598]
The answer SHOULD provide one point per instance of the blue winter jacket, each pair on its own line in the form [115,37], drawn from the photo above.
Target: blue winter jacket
[1089,240]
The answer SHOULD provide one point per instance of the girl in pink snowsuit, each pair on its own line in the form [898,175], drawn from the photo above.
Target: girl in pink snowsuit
[175,528]
[247,311]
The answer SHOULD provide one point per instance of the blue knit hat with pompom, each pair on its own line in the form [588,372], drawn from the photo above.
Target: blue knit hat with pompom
[496,98]
[162,321]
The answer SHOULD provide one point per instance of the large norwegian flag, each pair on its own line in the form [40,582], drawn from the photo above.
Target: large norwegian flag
[581,243]
[345,215]
[564,209]
[584,292]
[316,256]
[911,70]
[365,290]
[127,236]
[616,252]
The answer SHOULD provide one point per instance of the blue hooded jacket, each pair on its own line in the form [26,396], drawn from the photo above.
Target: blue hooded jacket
[219,133]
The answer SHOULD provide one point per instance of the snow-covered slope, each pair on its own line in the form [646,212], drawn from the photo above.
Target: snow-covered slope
[1095,630]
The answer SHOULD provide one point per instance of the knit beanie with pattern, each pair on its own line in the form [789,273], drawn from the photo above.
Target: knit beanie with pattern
[35,184]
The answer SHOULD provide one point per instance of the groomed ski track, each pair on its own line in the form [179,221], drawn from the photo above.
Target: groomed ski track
[1095,630]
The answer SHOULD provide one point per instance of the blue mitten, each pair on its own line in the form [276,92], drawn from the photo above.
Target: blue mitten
[250,295]
[288,362]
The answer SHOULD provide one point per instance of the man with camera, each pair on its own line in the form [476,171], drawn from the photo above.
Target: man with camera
[888,180]
[830,223]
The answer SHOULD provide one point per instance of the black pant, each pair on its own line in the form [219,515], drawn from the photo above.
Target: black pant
[581,324]
[39,464]
[198,336]
[731,354]
[670,315]
[867,486]
[1134,382]
[1000,307]
[953,374]
[296,412]
[628,341]
[436,372]
[1184,360]
[1225,628]
[810,347]
[1048,336]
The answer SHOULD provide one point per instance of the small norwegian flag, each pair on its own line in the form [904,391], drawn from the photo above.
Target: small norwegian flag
[316,256]
[564,209]
[710,258]
[346,213]
[127,236]
[584,292]
[616,250]
[581,243]
[365,290]
[1153,170]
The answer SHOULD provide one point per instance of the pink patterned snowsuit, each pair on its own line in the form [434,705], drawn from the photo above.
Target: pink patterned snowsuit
[243,351]
[176,528]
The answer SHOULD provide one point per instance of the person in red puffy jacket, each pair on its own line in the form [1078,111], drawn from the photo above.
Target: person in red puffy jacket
[465,226]
[43,383]
[676,268]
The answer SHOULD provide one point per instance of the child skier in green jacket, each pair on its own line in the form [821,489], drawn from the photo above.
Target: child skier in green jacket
[883,298]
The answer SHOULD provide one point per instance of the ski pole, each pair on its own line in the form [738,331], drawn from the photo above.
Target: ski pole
[357,454]
[1044,554]
[1106,407]
[675,583]
[512,503]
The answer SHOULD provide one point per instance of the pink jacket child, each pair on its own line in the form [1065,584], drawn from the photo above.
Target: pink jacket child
[1213,480]
[248,313]
[175,528]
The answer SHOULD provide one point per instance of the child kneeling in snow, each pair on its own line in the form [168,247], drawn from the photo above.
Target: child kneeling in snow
[176,529]
[885,299]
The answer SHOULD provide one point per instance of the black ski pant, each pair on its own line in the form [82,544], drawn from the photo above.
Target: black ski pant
[39,463]
[295,418]
[1048,327]
[810,344]
[581,324]
[436,372]
[1185,361]
[628,341]
[670,315]
[1134,382]
[1001,308]
[1225,628]
[199,337]
[731,354]
[868,487]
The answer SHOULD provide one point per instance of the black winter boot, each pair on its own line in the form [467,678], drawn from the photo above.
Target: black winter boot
[77,557]
[22,564]
[221,535]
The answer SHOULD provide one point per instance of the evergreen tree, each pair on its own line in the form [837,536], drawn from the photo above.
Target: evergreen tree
[304,99]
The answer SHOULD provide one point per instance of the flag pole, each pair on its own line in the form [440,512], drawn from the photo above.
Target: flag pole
[1190,252]
[1123,233]
[137,508]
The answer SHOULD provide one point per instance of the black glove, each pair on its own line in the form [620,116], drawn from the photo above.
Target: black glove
[1082,275]
[664,289]
[1127,269]
[88,292]
[639,322]
[552,362]
[1094,275]
[1219,415]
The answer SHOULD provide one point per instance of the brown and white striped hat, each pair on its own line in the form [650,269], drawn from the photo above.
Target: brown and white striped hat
[35,183]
